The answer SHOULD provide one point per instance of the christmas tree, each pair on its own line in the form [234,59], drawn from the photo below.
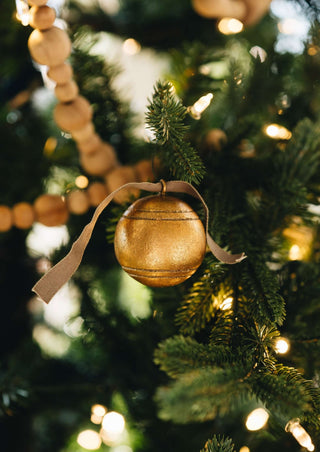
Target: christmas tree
[204,349]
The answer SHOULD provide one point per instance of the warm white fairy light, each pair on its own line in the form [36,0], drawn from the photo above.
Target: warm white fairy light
[258,52]
[277,132]
[89,439]
[295,253]
[113,426]
[82,181]
[98,410]
[289,26]
[257,419]
[300,434]
[131,46]
[282,345]
[226,304]
[200,105]
[22,12]
[230,26]
[244,449]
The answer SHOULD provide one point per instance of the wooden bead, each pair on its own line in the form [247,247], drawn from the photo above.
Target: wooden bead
[144,171]
[215,139]
[90,145]
[49,47]
[96,191]
[84,133]
[5,219]
[61,73]
[120,176]
[220,8]
[41,17]
[37,2]
[66,92]
[73,115]
[23,215]
[78,202]
[99,162]
[51,210]
[255,10]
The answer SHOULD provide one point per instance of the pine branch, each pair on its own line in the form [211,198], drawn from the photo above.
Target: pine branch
[219,444]
[165,118]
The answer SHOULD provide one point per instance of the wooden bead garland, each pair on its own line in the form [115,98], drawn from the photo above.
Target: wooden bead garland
[90,144]
[61,73]
[23,215]
[37,2]
[84,133]
[41,17]
[5,219]
[73,115]
[49,47]
[78,202]
[100,161]
[66,92]
[120,176]
[97,191]
[51,210]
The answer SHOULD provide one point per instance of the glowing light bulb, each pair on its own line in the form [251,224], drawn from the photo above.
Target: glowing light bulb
[226,304]
[299,434]
[295,253]
[131,46]
[113,425]
[200,105]
[282,345]
[277,132]
[230,26]
[244,449]
[82,181]
[89,439]
[22,12]
[257,419]
[97,413]
[258,52]
[289,26]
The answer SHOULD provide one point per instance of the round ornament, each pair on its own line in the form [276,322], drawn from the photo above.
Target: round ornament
[99,161]
[61,73]
[49,47]
[160,241]
[66,92]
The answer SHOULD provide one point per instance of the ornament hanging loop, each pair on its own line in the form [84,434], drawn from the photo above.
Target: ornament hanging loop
[163,188]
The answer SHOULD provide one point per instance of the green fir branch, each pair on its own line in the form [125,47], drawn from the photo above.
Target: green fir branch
[165,117]
[219,444]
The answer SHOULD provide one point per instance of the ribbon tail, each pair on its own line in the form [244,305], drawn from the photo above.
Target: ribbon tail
[223,255]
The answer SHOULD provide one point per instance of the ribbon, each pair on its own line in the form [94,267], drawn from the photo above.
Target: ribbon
[58,275]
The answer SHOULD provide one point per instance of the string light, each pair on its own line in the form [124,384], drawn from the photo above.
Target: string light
[131,46]
[226,304]
[295,253]
[299,434]
[82,181]
[257,419]
[258,52]
[282,345]
[244,449]
[89,439]
[277,132]
[113,426]
[97,413]
[22,12]
[200,106]
[230,26]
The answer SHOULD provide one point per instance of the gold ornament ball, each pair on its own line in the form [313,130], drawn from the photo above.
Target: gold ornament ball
[73,115]
[78,202]
[49,47]
[66,92]
[41,17]
[160,241]
[5,218]
[51,210]
[61,73]
[23,215]
[96,191]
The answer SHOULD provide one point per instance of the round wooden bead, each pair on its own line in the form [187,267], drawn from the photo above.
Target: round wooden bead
[78,202]
[72,115]
[61,73]
[215,139]
[23,215]
[255,10]
[37,2]
[66,92]
[90,144]
[84,133]
[49,47]
[220,8]
[51,210]
[5,219]
[41,17]
[120,176]
[144,171]
[100,161]
[96,191]
[160,241]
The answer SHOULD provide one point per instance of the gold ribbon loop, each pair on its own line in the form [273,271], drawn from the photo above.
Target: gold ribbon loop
[58,275]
